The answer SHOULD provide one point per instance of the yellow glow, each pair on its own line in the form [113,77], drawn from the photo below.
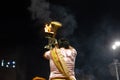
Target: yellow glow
[38,78]
[48,28]
[52,27]
[56,23]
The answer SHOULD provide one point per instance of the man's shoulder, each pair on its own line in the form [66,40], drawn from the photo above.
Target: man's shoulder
[47,52]
[74,50]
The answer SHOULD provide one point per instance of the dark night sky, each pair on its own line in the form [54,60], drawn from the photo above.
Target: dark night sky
[90,26]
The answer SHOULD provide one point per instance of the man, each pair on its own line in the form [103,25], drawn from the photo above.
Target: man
[62,61]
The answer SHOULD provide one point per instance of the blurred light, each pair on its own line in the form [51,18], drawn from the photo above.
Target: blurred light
[8,62]
[7,66]
[117,43]
[13,62]
[13,66]
[2,63]
[114,47]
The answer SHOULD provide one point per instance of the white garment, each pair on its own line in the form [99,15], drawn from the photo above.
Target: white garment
[69,56]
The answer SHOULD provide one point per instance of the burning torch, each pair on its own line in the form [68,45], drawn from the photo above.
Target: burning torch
[51,31]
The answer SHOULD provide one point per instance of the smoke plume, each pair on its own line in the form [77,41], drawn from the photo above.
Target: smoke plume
[44,12]
[40,10]
[65,16]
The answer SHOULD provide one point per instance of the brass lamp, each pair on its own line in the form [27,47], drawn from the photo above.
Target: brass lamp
[51,30]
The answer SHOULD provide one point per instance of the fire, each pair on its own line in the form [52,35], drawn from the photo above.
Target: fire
[50,33]
[48,28]
[52,27]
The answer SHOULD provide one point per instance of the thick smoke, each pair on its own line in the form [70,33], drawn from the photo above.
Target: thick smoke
[64,15]
[44,12]
[40,10]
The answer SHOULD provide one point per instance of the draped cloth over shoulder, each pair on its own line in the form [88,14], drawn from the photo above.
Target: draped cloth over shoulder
[60,63]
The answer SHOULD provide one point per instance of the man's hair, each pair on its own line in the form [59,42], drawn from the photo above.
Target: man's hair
[63,43]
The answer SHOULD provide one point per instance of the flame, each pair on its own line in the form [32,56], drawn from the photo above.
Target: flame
[52,27]
[48,28]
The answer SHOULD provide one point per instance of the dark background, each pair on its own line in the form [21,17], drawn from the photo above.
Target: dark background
[90,26]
